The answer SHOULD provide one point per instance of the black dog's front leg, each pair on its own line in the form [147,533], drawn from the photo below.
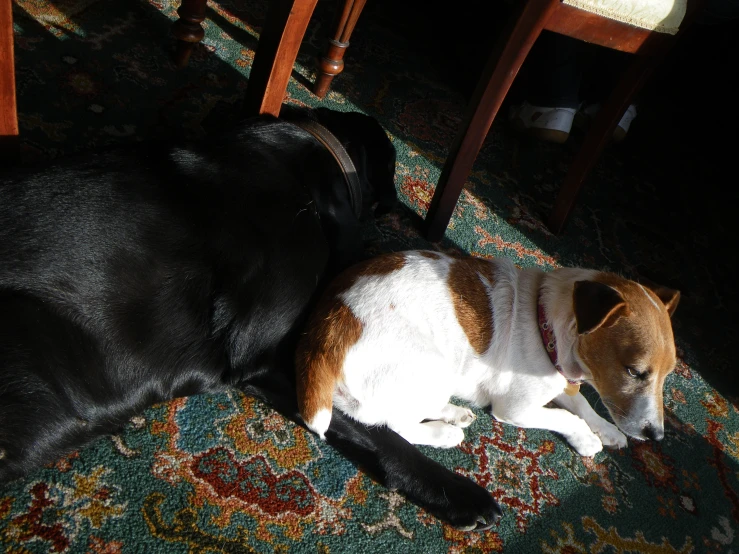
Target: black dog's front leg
[400,466]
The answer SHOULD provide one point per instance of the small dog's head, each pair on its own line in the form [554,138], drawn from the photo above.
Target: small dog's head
[625,341]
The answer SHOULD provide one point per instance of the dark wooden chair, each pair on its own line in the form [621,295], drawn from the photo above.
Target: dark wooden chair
[8,114]
[502,66]
[189,31]
[287,20]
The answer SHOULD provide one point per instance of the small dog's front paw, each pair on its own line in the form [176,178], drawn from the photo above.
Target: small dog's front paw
[449,437]
[610,435]
[586,443]
[462,417]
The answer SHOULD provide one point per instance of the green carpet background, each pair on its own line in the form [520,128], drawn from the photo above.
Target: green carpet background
[225,473]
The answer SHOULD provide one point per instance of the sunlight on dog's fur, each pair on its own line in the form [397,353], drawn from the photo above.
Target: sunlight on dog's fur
[395,338]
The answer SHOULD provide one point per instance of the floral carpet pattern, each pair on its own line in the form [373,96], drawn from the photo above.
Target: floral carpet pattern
[226,473]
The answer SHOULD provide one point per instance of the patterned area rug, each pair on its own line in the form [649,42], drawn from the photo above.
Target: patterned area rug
[225,473]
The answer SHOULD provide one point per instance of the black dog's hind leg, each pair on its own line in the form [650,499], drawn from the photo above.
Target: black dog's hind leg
[390,459]
[399,465]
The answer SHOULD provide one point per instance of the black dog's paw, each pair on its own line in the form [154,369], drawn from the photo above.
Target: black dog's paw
[401,467]
[451,497]
[469,507]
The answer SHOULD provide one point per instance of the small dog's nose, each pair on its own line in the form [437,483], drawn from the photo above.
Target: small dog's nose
[653,433]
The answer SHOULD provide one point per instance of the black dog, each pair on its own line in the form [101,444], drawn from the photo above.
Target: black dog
[158,271]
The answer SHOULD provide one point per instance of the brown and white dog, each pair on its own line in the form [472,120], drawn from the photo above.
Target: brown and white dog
[397,336]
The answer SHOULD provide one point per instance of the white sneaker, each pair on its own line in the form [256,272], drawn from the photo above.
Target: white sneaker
[550,124]
[619,133]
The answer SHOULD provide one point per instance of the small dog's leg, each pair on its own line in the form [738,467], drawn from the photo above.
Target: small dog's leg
[567,424]
[609,434]
[457,416]
[430,433]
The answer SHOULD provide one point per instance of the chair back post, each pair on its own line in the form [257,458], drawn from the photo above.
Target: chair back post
[8,108]
[277,50]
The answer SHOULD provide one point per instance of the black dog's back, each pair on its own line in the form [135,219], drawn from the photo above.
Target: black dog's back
[145,274]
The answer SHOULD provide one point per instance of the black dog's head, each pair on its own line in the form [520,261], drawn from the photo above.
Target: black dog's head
[369,148]
[316,157]
[372,152]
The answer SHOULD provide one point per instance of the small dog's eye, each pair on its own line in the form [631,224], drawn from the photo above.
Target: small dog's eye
[632,372]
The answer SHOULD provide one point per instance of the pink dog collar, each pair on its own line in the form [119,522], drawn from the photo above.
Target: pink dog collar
[550,344]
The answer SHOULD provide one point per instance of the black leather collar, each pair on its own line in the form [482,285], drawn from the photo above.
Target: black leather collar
[332,144]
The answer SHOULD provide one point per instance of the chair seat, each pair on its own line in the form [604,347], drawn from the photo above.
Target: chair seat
[662,16]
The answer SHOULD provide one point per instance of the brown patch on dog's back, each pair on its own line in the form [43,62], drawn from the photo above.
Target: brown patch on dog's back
[384,264]
[430,254]
[471,301]
[331,331]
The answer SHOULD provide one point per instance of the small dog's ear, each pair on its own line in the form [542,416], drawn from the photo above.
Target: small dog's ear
[670,297]
[597,305]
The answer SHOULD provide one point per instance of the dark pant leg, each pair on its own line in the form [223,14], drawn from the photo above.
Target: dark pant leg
[603,70]
[554,71]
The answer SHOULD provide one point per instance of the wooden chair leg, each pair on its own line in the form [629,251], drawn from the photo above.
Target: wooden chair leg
[187,29]
[282,33]
[9,142]
[332,62]
[496,79]
[599,135]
